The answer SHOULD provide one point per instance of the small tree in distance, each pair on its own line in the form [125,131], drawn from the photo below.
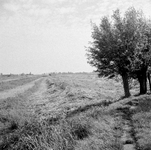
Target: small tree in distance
[121,47]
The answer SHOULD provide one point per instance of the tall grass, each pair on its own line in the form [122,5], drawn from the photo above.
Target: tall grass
[39,135]
[93,129]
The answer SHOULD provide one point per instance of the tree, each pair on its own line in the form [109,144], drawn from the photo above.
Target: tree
[141,38]
[120,47]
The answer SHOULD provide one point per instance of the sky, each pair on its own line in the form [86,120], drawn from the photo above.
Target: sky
[42,36]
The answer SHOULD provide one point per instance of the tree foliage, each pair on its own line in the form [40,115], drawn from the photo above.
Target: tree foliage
[121,45]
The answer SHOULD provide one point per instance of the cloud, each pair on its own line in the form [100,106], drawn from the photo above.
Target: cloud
[11,7]
[66,10]
[51,1]
[38,11]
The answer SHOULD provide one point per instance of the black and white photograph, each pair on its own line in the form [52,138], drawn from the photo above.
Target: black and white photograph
[75,74]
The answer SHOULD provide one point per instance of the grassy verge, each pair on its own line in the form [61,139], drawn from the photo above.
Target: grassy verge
[96,129]
[142,123]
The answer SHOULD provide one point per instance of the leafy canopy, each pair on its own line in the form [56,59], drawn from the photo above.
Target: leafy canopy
[120,45]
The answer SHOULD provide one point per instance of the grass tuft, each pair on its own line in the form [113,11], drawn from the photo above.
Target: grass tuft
[79,129]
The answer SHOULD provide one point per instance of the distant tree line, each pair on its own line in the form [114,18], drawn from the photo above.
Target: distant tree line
[122,46]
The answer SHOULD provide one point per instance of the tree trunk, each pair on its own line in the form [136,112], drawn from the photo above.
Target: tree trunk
[142,78]
[126,84]
[148,75]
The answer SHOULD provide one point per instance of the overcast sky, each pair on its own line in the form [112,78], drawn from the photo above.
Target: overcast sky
[50,35]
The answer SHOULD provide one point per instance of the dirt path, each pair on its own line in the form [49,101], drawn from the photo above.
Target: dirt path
[19,99]
[18,90]
[128,139]
[38,97]
[125,110]
[40,100]
[7,80]
[13,79]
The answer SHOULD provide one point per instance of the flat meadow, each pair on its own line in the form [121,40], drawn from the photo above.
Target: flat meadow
[70,111]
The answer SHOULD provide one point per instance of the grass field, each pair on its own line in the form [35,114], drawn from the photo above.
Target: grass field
[74,112]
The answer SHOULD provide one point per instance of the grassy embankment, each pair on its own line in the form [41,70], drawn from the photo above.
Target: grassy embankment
[78,115]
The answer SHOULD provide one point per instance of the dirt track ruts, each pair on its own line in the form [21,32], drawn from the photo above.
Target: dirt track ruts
[18,90]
